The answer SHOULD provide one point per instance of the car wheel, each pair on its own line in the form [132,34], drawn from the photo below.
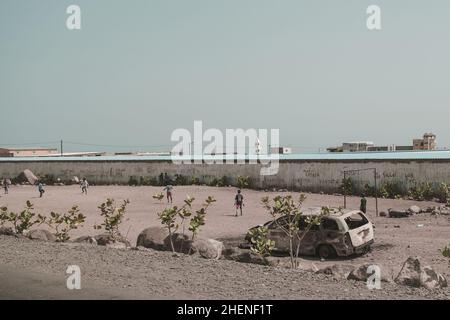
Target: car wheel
[326,251]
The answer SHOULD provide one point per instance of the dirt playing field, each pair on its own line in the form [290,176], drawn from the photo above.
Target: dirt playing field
[395,239]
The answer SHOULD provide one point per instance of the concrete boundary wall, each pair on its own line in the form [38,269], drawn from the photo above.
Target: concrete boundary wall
[305,175]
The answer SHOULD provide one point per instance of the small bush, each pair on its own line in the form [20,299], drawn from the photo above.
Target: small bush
[181,180]
[261,244]
[243,182]
[23,221]
[421,191]
[442,192]
[112,217]
[347,186]
[62,224]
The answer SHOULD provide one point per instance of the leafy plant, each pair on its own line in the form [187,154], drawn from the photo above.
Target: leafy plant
[261,244]
[421,191]
[442,192]
[199,219]
[112,217]
[243,181]
[62,224]
[195,181]
[169,217]
[391,190]
[4,217]
[347,186]
[23,221]
[286,207]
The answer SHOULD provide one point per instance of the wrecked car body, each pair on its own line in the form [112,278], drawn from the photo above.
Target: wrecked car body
[341,233]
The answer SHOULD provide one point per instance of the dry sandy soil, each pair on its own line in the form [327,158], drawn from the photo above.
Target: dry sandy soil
[30,269]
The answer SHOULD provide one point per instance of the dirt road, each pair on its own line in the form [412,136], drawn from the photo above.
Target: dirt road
[148,272]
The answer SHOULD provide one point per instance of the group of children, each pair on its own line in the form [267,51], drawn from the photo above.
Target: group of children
[83,184]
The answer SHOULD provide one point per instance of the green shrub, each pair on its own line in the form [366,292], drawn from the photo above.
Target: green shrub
[112,217]
[347,187]
[421,191]
[23,221]
[62,224]
[243,182]
[261,244]
[442,192]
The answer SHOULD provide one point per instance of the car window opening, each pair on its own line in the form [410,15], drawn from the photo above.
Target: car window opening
[356,220]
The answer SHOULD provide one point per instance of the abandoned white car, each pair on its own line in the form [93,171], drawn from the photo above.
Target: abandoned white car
[341,233]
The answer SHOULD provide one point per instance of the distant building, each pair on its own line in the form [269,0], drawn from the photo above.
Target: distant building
[5,153]
[280,150]
[31,152]
[428,142]
[356,146]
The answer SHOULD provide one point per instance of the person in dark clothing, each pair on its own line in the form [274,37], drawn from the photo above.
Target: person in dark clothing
[363,205]
[41,189]
[239,202]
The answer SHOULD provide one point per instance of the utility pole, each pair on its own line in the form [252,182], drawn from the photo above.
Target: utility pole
[61,148]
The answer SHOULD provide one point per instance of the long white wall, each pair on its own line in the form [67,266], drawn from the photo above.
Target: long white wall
[295,174]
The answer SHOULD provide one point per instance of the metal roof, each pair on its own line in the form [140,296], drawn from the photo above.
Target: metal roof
[337,156]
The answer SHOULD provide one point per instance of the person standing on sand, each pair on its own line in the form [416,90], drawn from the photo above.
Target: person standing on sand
[168,190]
[5,185]
[239,202]
[41,189]
[363,205]
[84,186]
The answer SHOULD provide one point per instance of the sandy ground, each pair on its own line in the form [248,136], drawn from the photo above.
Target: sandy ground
[147,272]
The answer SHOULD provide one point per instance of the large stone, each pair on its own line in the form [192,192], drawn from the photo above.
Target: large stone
[153,238]
[398,214]
[6,231]
[27,176]
[112,241]
[337,271]
[86,239]
[383,214]
[430,279]
[245,256]
[208,248]
[181,243]
[42,235]
[410,273]
[414,210]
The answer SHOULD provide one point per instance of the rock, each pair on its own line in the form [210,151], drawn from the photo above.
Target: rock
[338,271]
[245,256]
[27,176]
[181,243]
[383,214]
[310,267]
[208,248]
[430,279]
[110,241]
[410,273]
[414,210]
[359,273]
[5,231]
[153,238]
[42,235]
[86,239]
[429,209]
[398,214]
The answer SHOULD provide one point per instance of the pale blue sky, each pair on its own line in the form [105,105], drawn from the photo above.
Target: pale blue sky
[140,69]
